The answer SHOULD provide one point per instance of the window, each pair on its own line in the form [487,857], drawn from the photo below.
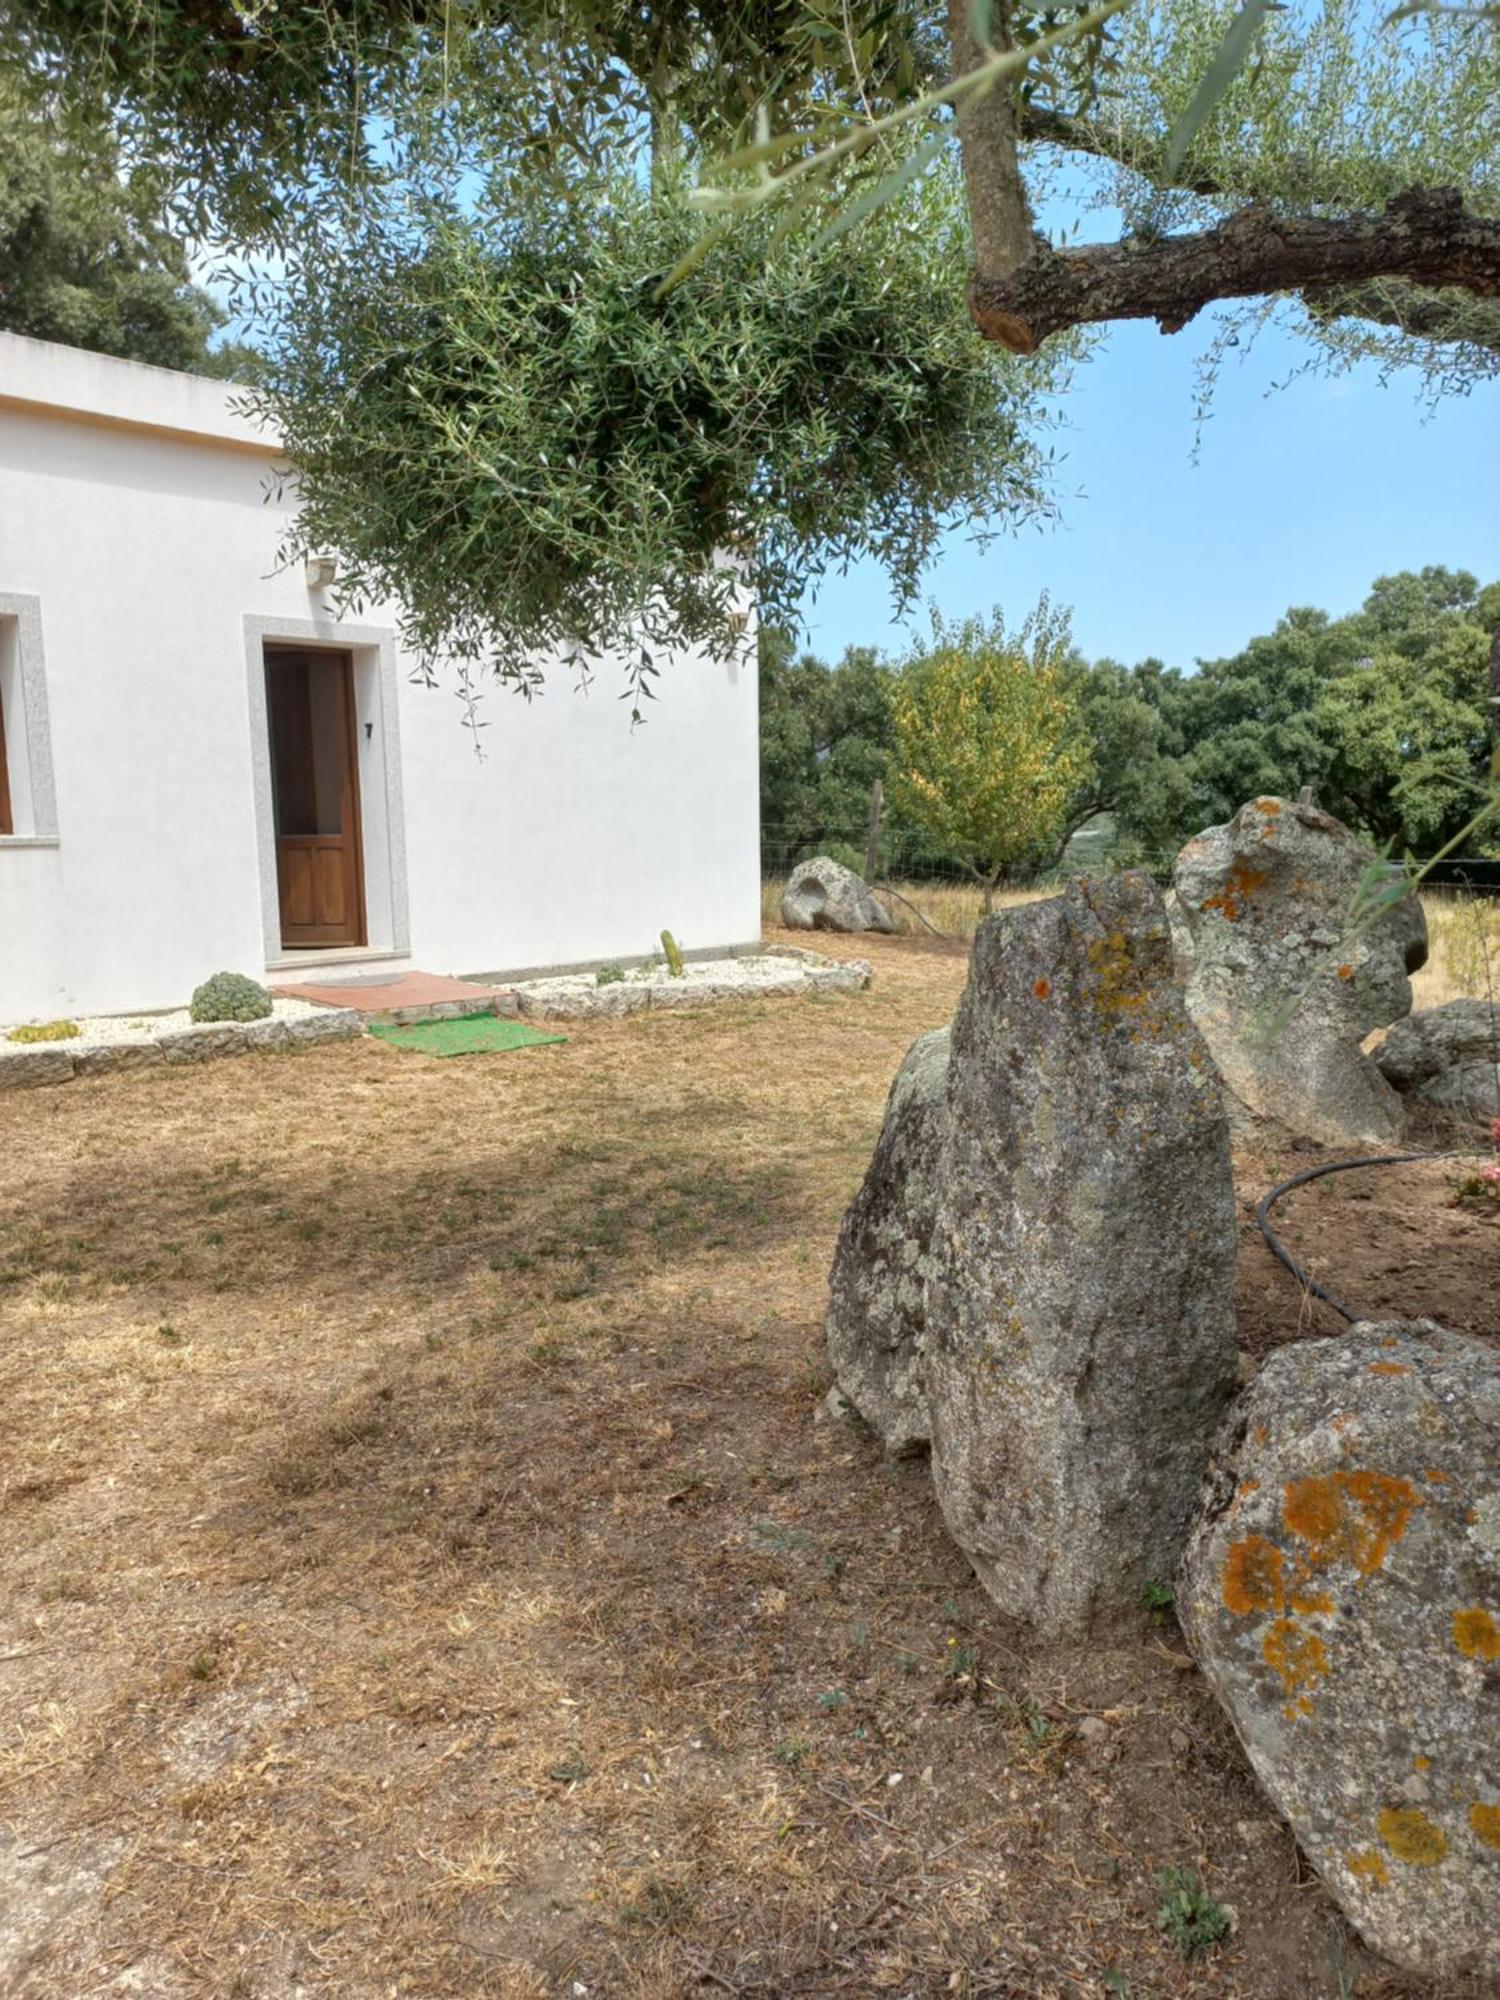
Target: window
[28,809]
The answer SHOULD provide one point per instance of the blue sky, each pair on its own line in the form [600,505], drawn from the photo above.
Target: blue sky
[1299,496]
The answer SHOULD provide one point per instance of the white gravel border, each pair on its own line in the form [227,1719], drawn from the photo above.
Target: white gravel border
[755,975]
[121,1029]
[136,1041]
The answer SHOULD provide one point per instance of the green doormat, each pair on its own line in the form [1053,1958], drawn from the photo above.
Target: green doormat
[469,1035]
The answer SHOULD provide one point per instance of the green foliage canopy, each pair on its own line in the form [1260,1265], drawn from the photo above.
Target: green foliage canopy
[539,457]
[560,526]
[1382,712]
[987,749]
[86,257]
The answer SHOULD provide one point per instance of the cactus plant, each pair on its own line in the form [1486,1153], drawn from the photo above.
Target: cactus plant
[229,996]
[673,951]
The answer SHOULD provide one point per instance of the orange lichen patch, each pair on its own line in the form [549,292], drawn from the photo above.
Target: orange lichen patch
[1436,1476]
[1261,1433]
[1411,1836]
[1476,1634]
[1356,1517]
[1485,1821]
[1120,984]
[1312,1603]
[1253,1577]
[1389,1368]
[1300,1657]
[1043,989]
[1421,1763]
[1232,899]
[1270,807]
[1370,1862]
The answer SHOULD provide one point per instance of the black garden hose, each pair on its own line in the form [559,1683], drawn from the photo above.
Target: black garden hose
[1268,1202]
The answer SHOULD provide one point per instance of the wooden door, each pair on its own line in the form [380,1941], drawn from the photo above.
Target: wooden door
[315,787]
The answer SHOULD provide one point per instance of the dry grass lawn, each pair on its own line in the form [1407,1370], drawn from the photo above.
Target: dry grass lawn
[428,1569]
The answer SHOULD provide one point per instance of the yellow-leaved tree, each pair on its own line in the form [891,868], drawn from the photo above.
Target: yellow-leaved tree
[987,754]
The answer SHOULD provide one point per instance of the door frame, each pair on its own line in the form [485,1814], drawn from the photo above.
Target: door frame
[374,663]
[350,786]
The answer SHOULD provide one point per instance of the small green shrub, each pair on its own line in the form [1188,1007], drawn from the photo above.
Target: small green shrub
[1189,1915]
[609,975]
[45,1031]
[673,951]
[1158,1599]
[230,996]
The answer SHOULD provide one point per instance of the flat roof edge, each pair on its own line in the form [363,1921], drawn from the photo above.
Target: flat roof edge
[100,389]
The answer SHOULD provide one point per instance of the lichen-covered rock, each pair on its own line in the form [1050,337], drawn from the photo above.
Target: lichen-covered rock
[824,895]
[1448,1057]
[1299,950]
[1182,937]
[1079,1318]
[880,1269]
[1341,1592]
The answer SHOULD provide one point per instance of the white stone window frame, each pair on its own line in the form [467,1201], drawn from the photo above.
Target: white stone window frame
[28,733]
[373,648]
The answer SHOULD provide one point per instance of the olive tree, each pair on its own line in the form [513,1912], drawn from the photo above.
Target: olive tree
[852,350]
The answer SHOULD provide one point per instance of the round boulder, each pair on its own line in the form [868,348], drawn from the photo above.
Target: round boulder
[1341,1592]
[824,895]
[1301,943]
[1448,1057]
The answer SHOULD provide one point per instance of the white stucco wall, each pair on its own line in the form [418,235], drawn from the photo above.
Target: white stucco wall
[134,515]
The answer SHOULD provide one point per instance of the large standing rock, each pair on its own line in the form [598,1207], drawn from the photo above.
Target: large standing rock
[1294,965]
[1341,1591]
[878,1283]
[824,895]
[1448,1057]
[1079,1329]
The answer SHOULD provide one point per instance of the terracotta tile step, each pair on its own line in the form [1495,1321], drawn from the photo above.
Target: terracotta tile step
[397,999]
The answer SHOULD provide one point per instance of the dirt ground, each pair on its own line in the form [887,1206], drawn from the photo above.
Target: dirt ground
[428,1568]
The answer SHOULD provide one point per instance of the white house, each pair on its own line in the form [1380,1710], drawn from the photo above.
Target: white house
[204,768]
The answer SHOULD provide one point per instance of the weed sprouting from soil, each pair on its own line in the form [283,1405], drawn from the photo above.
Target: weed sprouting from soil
[1189,1916]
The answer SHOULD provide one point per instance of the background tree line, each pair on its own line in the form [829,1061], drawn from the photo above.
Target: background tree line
[88,253]
[1382,712]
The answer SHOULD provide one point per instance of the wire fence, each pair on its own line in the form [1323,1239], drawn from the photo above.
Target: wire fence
[926,891]
[901,854]
[904,854]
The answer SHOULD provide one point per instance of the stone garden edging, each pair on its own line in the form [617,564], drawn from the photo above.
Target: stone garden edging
[23,1067]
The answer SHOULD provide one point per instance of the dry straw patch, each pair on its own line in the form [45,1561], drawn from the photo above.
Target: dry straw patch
[1464,956]
[426,1572]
